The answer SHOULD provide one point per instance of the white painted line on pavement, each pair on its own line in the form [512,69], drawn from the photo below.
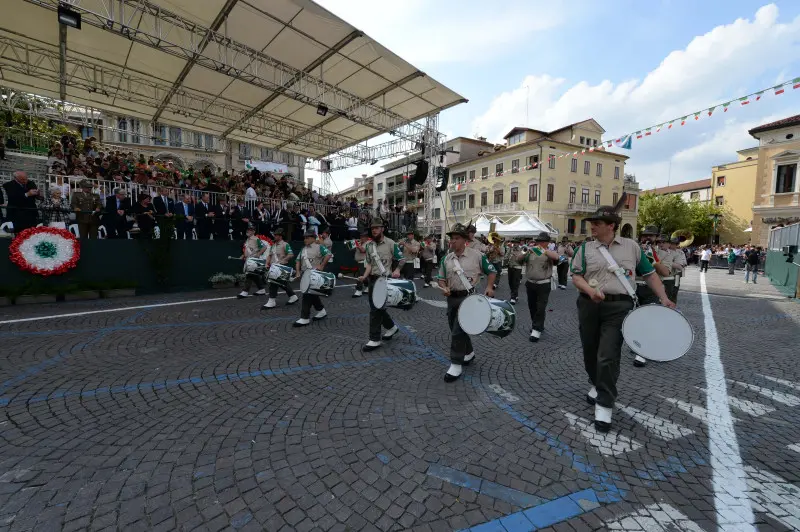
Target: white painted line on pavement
[611,443]
[655,517]
[120,309]
[499,390]
[780,397]
[774,497]
[748,407]
[664,429]
[729,480]
[794,447]
[788,384]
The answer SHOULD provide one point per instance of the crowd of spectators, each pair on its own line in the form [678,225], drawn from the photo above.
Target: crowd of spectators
[136,193]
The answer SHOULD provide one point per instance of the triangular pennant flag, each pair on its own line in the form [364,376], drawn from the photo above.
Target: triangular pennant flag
[583,151]
[697,116]
[670,125]
[647,132]
[683,120]
[638,134]
[711,110]
[758,95]
[725,107]
[609,144]
[778,90]
[592,148]
[658,127]
[796,83]
[744,100]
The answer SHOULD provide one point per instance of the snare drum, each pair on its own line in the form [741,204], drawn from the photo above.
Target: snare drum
[398,293]
[478,314]
[350,244]
[255,266]
[317,282]
[657,333]
[280,274]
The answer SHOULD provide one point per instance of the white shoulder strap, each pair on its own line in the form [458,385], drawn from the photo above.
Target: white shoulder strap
[373,251]
[460,272]
[620,273]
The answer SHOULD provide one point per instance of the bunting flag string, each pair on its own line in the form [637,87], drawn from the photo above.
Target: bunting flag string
[624,141]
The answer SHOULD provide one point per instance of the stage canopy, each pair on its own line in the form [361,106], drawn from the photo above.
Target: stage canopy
[285,74]
[519,225]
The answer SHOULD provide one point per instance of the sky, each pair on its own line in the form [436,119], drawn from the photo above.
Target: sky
[628,64]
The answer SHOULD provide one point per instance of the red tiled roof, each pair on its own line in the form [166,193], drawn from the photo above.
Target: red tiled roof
[683,187]
[778,124]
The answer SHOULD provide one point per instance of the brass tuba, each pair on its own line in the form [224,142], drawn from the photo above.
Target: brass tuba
[686,237]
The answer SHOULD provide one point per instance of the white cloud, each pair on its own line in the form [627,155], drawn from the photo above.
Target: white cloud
[424,32]
[722,63]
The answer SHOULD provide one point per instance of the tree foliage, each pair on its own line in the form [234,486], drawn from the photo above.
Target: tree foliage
[670,213]
[17,121]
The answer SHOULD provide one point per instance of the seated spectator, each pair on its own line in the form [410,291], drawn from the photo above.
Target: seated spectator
[145,217]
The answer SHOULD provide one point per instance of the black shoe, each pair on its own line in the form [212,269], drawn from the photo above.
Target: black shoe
[451,378]
[638,363]
[296,324]
[602,426]
[468,362]
[591,400]
[367,348]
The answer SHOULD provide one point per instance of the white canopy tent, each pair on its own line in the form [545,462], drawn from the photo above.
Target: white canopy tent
[518,225]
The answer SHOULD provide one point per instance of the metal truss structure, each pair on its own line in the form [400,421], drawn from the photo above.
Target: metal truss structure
[151,25]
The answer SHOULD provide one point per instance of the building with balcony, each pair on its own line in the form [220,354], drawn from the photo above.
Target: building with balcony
[777,191]
[361,190]
[733,187]
[559,176]
[691,191]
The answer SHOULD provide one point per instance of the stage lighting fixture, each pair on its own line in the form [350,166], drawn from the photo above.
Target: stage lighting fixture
[68,17]
[322,109]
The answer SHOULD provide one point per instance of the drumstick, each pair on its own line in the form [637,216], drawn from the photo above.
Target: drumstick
[234,258]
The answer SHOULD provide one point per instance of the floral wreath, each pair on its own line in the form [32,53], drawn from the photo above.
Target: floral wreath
[45,251]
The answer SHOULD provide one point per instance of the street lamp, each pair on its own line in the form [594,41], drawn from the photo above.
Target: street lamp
[716,217]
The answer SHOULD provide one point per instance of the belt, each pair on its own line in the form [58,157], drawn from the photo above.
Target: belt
[458,293]
[641,283]
[543,281]
[612,297]
[671,278]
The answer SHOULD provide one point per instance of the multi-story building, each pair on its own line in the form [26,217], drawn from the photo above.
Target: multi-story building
[692,191]
[733,187]
[560,176]
[777,189]
[361,190]
[391,184]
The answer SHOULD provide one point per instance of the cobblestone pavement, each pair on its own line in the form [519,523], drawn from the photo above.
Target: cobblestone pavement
[213,415]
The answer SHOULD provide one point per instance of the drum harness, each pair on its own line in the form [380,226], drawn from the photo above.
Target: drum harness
[373,251]
[463,278]
[620,273]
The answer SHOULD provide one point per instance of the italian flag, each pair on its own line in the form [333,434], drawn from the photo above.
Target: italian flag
[725,107]
[638,134]
[778,90]
[796,83]
[711,110]
[744,100]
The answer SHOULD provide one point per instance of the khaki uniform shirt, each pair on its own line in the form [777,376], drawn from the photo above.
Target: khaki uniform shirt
[87,202]
[327,242]
[313,254]
[360,255]
[590,263]
[280,252]
[538,267]
[679,261]
[515,257]
[428,252]
[562,249]
[410,249]
[476,245]
[472,262]
[254,247]
[387,251]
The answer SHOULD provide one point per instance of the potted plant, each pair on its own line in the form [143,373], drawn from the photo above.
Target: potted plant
[222,280]
[239,278]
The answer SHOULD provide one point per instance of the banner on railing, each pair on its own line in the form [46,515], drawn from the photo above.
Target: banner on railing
[264,166]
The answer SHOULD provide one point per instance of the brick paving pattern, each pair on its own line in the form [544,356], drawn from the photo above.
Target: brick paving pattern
[217,416]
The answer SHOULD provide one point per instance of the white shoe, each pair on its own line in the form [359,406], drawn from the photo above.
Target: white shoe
[292,299]
[512,301]
[639,361]
[243,294]
[261,292]
[602,418]
[390,333]
[270,303]
[321,314]
[453,372]
[469,358]
[591,395]
[562,286]
[535,335]
[302,322]
[426,285]
[372,345]
[357,293]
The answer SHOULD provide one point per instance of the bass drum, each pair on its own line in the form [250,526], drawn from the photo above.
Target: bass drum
[397,293]
[280,274]
[478,314]
[256,266]
[657,333]
[317,282]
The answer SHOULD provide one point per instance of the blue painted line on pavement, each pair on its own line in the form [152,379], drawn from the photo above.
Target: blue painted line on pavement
[477,484]
[229,377]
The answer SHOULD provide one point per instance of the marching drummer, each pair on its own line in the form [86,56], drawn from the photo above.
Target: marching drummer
[603,271]
[380,254]
[428,259]
[649,243]
[360,252]
[562,268]
[254,248]
[514,258]
[410,248]
[313,257]
[678,266]
[280,253]
[459,272]
[539,263]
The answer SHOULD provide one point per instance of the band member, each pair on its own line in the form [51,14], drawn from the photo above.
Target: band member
[494,252]
[380,254]
[602,271]
[515,257]
[280,253]
[254,248]
[325,238]
[314,256]
[472,242]
[459,273]
[360,255]
[428,259]
[539,263]
[678,266]
[410,248]
[562,268]
[649,244]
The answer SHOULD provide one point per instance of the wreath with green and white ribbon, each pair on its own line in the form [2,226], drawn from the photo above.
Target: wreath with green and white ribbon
[45,251]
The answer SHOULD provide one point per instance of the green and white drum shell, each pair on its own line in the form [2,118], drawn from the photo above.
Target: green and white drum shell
[478,314]
[317,282]
[399,293]
[280,274]
[350,244]
[256,266]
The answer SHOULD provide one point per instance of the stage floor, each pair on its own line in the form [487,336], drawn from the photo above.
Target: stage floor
[202,411]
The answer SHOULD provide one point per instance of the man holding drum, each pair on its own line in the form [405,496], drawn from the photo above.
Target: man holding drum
[254,248]
[380,254]
[459,273]
[539,273]
[678,266]
[650,239]
[282,254]
[360,252]
[603,271]
[313,257]
[515,257]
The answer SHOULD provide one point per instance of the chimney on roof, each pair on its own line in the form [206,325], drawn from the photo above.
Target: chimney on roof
[482,139]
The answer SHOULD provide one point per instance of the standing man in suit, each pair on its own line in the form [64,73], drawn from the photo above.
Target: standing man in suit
[22,196]
[241,217]
[185,209]
[118,208]
[163,204]
[222,214]
[205,216]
